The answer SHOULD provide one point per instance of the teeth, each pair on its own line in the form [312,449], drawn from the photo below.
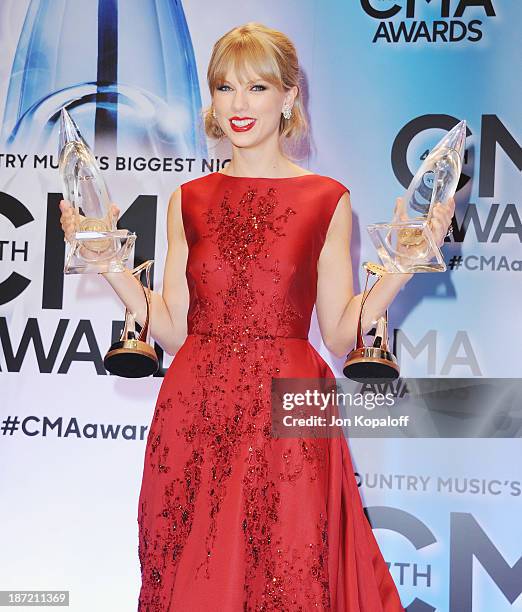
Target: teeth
[243,122]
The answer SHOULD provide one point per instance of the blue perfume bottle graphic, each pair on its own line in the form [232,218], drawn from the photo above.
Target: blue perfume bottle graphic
[125,70]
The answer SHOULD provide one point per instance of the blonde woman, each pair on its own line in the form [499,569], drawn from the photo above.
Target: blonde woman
[230,518]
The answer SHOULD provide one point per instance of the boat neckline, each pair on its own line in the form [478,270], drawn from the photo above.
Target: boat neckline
[266,178]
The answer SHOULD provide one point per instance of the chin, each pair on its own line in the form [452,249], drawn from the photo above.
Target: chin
[243,141]
[247,140]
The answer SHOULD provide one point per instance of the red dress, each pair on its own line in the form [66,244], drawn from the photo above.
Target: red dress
[230,518]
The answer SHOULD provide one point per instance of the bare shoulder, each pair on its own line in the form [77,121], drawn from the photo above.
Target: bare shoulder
[341,221]
[175,230]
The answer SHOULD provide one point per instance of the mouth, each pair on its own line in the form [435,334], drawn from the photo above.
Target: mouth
[241,124]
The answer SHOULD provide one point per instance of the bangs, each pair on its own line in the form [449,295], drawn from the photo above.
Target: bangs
[249,59]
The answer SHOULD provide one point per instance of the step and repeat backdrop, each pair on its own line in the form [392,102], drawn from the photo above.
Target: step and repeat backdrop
[383,81]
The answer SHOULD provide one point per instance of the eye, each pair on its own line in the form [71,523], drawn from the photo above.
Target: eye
[222,87]
[261,86]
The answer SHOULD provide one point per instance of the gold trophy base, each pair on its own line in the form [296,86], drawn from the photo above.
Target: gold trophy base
[131,359]
[371,363]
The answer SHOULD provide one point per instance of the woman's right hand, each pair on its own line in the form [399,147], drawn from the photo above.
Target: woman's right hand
[70,218]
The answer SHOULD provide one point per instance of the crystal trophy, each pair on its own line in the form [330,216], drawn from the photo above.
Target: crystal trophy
[406,244]
[97,246]
[132,356]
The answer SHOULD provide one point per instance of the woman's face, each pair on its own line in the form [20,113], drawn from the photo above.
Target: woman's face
[249,113]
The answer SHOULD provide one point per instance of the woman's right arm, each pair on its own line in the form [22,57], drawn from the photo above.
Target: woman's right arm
[168,316]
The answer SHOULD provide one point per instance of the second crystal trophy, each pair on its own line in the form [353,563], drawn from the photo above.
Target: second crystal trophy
[407,245]
[98,246]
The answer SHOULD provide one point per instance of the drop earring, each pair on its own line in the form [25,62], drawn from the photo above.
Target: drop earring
[214,113]
[287,112]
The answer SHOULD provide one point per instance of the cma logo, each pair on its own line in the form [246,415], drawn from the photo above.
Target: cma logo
[468,542]
[497,221]
[449,25]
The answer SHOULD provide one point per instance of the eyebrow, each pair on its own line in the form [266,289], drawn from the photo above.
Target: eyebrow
[248,82]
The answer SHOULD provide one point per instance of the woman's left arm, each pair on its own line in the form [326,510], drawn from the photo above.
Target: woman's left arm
[336,306]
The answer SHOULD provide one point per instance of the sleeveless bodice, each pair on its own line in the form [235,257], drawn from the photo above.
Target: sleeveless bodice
[253,250]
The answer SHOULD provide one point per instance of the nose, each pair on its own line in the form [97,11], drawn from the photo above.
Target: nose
[239,101]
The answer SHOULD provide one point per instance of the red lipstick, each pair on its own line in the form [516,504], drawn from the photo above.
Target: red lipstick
[242,128]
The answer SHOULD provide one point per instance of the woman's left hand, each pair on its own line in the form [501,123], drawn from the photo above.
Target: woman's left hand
[440,220]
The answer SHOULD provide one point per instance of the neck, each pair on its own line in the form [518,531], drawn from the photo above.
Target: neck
[265,159]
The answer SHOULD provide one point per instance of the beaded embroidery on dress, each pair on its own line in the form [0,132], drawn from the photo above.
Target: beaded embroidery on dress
[230,519]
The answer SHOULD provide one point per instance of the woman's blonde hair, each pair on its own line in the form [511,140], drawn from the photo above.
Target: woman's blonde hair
[268,53]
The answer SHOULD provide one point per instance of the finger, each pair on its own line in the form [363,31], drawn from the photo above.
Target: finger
[68,219]
[438,231]
[443,214]
[438,215]
[69,232]
[447,209]
[445,217]
[436,224]
[68,212]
